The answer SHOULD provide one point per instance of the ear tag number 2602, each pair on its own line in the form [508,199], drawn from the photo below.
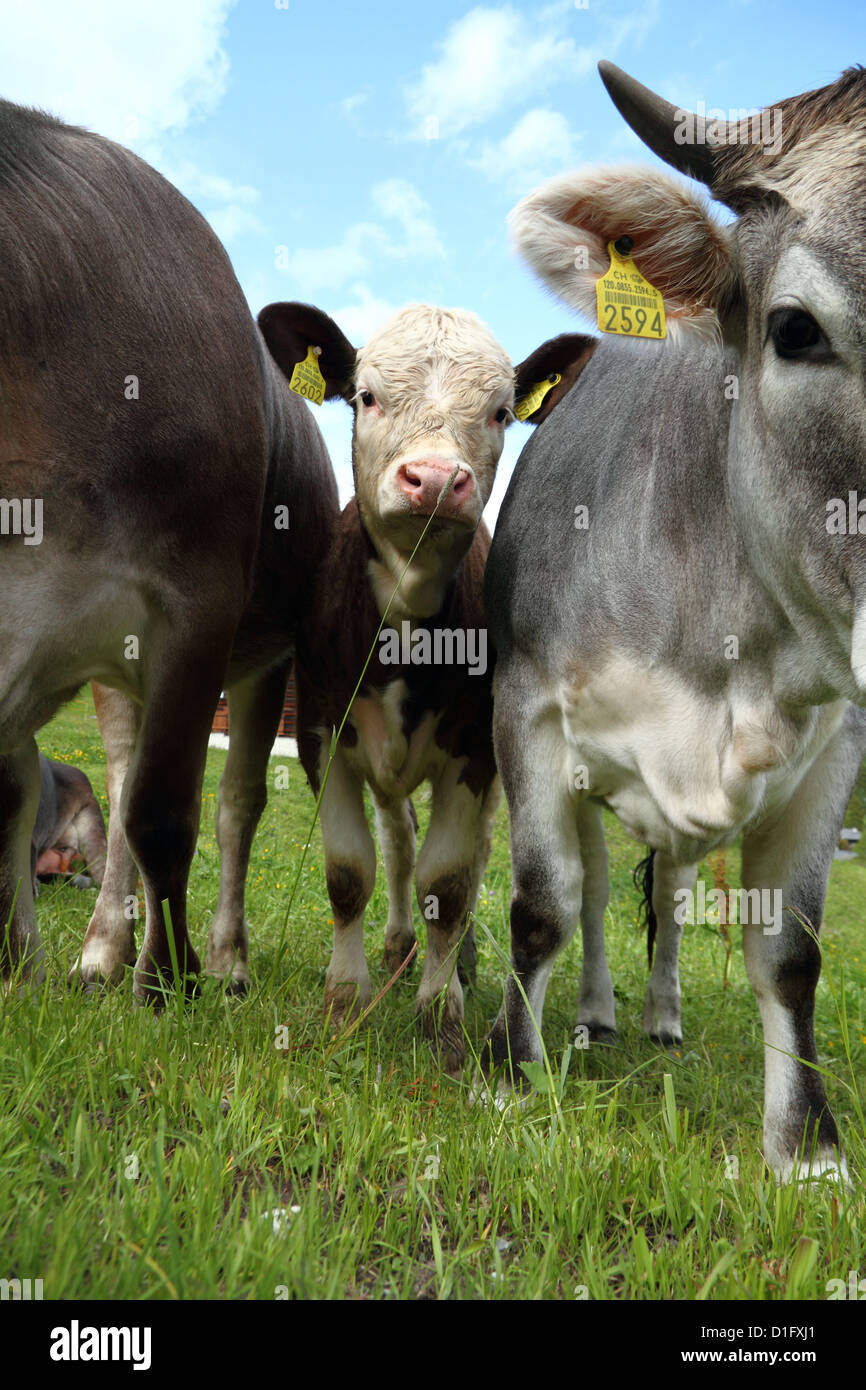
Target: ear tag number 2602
[307,380]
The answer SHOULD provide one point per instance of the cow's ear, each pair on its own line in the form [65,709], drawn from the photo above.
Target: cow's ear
[290,330]
[563,229]
[535,379]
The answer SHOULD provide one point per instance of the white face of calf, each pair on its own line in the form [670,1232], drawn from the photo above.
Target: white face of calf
[432,392]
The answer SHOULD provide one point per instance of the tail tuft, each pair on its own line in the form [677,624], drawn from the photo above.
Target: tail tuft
[642,877]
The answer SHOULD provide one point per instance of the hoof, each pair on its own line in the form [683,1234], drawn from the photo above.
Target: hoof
[395,953]
[155,986]
[600,1033]
[667,1040]
[343,1004]
[238,989]
[235,982]
[445,1034]
[91,976]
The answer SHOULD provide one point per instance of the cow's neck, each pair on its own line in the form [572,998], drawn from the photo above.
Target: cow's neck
[807,574]
[424,585]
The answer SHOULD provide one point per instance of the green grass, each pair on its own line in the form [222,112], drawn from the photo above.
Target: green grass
[142,1155]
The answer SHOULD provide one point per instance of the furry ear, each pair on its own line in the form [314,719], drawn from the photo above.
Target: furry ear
[565,356]
[290,329]
[563,228]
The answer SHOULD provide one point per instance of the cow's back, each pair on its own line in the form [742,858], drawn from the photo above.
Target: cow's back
[131,380]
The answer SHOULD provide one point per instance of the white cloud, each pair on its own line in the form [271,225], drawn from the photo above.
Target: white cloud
[540,144]
[360,320]
[225,204]
[207,189]
[349,105]
[490,59]
[128,71]
[232,221]
[363,243]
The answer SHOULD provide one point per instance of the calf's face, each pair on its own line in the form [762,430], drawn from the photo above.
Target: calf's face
[432,392]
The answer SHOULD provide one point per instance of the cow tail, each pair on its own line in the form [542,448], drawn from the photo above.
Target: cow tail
[642,877]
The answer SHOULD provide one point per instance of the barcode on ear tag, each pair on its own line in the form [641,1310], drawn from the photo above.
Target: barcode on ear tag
[307,380]
[626,302]
[528,404]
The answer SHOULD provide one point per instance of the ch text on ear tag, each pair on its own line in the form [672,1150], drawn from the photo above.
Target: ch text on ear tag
[626,302]
[528,404]
[307,380]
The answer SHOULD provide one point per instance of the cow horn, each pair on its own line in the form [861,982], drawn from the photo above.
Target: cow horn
[655,120]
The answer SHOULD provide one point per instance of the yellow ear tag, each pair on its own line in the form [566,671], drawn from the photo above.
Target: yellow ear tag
[307,380]
[528,404]
[626,302]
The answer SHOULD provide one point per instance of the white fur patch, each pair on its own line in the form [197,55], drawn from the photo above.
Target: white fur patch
[562,230]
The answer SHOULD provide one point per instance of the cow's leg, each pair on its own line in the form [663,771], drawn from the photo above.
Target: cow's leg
[449,870]
[596,1010]
[546,867]
[395,825]
[468,957]
[661,1010]
[162,798]
[789,859]
[254,717]
[109,942]
[20,784]
[350,868]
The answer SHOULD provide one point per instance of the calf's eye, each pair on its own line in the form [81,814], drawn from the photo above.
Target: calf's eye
[367,398]
[501,415]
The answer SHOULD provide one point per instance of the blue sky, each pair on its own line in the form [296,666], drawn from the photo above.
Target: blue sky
[363,155]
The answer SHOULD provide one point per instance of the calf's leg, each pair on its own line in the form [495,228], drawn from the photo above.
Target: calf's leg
[661,1012]
[254,715]
[162,794]
[788,860]
[596,1010]
[20,784]
[449,871]
[547,873]
[109,942]
[350,870]
[395,823]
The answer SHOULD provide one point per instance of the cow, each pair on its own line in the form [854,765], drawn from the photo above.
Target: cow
[678,611]
[164,503]
[69,828]
[432,393]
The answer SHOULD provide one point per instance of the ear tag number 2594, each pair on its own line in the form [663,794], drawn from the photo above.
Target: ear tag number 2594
[626,302]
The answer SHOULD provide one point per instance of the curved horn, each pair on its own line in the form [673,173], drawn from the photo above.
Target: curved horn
[655,120]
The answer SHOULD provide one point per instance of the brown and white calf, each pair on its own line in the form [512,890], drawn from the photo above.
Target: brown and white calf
[432,393]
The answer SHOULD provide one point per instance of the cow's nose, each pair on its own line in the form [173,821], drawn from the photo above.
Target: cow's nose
[422,480]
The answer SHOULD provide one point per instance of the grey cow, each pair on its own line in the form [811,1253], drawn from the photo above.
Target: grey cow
[693,653]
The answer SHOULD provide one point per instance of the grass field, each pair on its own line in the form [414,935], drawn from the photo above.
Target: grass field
[144,1156]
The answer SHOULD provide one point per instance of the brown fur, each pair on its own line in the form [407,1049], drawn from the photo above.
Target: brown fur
[342,628]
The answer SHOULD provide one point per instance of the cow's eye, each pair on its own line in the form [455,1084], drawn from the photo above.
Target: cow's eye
[796,334]
[367,398]
[501,415]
